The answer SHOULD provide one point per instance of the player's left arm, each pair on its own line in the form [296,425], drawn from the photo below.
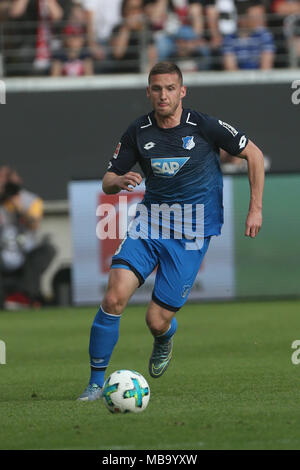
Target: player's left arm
[256,175]
[236,143]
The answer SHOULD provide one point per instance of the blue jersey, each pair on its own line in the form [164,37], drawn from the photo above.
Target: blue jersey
[249,49]
[181,164]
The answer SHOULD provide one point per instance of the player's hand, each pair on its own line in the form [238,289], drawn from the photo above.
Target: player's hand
[129,181]
[253,223]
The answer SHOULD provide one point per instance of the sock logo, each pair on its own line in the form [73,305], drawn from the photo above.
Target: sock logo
[97,361]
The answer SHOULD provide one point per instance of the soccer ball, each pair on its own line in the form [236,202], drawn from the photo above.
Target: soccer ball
[125,391]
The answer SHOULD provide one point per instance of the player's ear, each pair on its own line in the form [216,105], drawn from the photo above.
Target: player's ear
[148,91]
[183,92]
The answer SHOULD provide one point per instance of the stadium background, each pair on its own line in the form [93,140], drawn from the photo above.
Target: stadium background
[232,384]
[234,379]
[72,126]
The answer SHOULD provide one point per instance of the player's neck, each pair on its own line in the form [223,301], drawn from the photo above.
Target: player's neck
[167,122]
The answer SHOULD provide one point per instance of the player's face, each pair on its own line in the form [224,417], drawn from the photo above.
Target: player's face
[165,92]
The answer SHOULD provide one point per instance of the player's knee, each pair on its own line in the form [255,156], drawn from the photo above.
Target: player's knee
[114,303]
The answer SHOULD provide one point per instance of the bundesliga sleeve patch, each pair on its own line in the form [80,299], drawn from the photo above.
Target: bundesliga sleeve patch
[230,128]
[115,155]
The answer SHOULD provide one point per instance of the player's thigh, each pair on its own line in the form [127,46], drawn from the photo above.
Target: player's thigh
[121,286]
[177,272]
[138,255]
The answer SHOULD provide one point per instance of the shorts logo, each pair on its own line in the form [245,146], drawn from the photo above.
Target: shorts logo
[185,290]
[167,167]
[188,142]
[115,155]
[231,129]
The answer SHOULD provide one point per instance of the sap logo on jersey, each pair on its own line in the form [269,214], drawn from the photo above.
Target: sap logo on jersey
[167,166]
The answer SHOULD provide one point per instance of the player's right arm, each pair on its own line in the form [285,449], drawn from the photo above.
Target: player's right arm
[113,183]
[118,175]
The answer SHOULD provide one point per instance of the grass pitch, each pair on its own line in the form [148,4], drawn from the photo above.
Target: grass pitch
[231,383]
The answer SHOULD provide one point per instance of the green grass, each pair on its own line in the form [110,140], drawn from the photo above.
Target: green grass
[230,385]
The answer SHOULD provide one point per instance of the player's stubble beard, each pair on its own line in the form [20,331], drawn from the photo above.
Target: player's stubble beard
[169,112]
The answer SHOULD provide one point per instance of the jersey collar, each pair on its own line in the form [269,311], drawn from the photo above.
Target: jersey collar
[183,119]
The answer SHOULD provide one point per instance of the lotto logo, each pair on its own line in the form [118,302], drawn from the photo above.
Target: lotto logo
[167,166]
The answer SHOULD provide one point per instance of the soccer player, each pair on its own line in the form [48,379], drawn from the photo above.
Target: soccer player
[178,151]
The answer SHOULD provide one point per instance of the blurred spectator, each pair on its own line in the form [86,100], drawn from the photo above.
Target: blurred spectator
[23,255]
[77,13]
[252,47]
[227,16]
[130,36]
[167,16]
[73,59]
[287,23]
[101,16]
[286,7]
[229,10]
[189,55]
[4,9]
[32,32]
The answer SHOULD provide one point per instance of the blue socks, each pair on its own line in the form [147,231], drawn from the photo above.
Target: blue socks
[103,338]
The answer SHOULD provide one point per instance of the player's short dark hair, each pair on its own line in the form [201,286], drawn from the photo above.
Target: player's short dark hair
[165,67]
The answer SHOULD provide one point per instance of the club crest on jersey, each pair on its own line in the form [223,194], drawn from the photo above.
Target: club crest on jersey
[188,142]
[167,166]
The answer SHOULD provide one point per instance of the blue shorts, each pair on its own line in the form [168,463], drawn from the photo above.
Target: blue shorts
[177,266]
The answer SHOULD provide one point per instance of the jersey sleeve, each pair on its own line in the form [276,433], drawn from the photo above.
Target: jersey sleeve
[224,135]
[228,45]
[125,155]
